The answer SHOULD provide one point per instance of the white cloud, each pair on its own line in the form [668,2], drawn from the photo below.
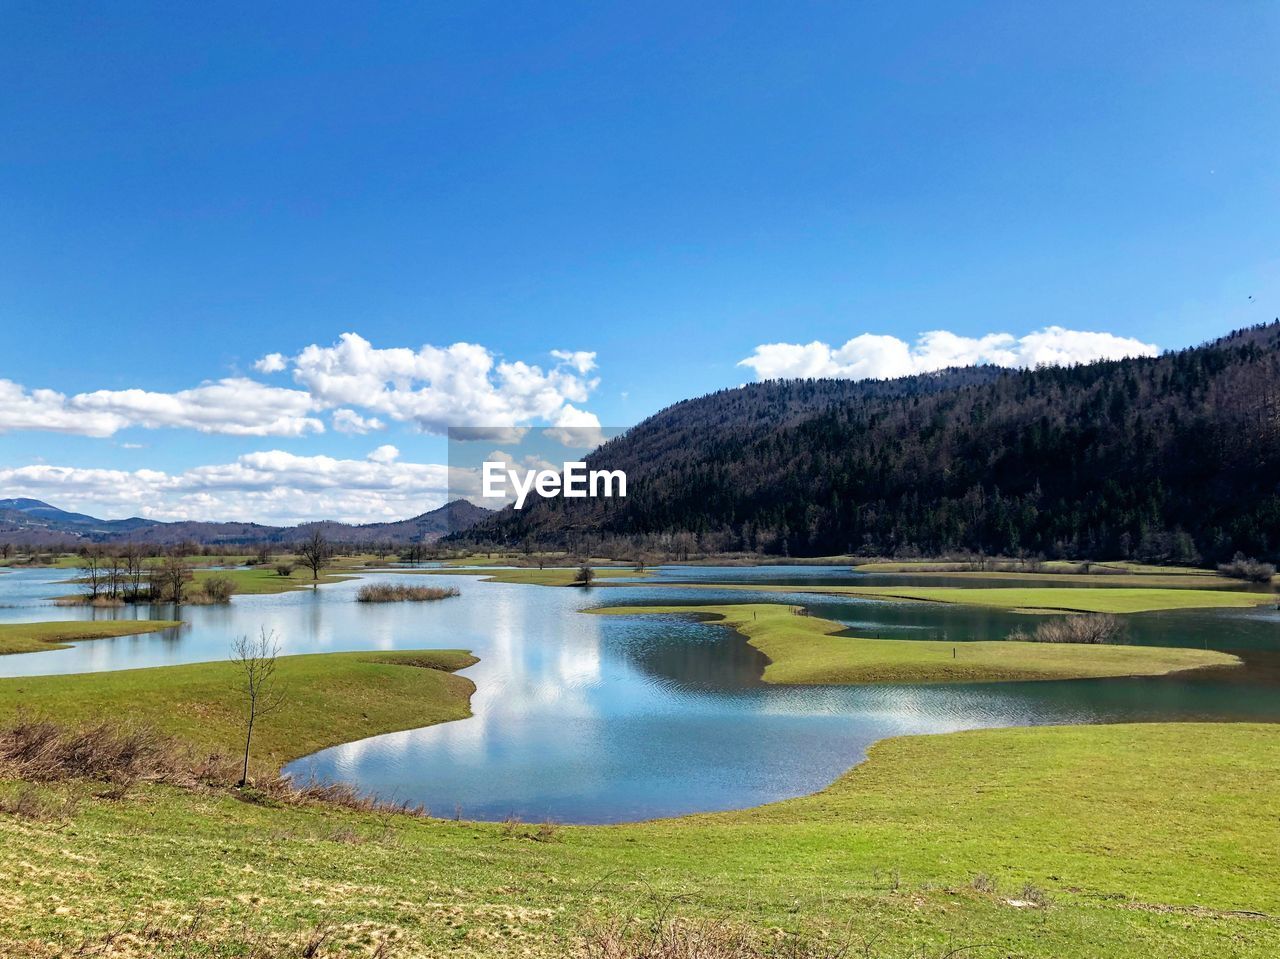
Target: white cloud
[349,421]
[239,407]
[271,363]
[576,429]
[872,356]
[430,388]
[437,387]
[22,409]
[269,487]
[580,360]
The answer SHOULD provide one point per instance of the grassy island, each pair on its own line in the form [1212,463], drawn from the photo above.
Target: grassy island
[33,637]
[807,650]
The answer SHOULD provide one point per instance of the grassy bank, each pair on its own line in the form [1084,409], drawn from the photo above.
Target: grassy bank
[1082,599]
[805,650]
[33,637]
[329,699]
[1183,579]
[551,576]
[264,579]
[1046,843]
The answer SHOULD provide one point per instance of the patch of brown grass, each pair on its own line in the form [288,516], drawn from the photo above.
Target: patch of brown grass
[1090,629]
[678,938]
[400,592]
[42,751]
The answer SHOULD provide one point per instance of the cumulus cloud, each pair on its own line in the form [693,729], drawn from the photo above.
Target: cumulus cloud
[349,421]
[576,429]
[872,356]
[430,388]
[271,363]
[271,487]
[433,387]
[238,407]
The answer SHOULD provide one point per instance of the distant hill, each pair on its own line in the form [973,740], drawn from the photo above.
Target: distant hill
[30,522]
[1167,458]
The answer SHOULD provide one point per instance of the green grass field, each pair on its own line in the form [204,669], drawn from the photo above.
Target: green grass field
[265,579]
[1114,576]
[33,637]
[1082,599]
[1044,843]
[330,698]
[804,650]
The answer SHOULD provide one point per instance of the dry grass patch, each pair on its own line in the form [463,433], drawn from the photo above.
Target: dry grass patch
[401,592]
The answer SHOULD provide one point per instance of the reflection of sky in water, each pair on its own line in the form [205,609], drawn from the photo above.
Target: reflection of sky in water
[590,718]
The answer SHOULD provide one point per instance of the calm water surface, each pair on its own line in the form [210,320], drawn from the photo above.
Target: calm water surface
[603,719]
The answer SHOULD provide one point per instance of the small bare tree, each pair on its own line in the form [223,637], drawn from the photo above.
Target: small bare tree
[584,576]
[135,569]
[93,566]
[169,580]
[115,573]
[255,661]
[315,553]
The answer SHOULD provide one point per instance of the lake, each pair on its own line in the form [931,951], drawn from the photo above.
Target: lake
[592,719]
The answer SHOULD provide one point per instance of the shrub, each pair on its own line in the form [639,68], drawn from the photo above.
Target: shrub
[41,751]
[1246,568]
[400,592]
[1091,629]
[284,569]
[584,576]
[218,589]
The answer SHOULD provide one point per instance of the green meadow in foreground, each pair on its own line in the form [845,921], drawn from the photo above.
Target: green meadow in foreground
[806,650]
[330,698]
[33,637]
[1044,843]
[1079,599]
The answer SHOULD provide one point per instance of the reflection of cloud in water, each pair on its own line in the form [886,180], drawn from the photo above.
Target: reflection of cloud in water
[593,718]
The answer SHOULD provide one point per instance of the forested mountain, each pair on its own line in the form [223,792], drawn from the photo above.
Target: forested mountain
[1168,458]
[29,522]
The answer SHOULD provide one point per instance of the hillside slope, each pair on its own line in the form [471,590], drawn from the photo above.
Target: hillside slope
[1164,458]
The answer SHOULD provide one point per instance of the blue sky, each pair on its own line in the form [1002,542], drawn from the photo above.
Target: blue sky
[186,189]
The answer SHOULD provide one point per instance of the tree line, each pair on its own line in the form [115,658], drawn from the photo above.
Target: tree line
[1172,459]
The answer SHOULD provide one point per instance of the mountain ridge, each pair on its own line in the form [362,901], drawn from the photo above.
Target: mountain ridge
[31,522]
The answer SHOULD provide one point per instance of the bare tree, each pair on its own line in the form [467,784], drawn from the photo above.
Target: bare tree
[93,566]
[169,579]
[114,568]
[255,661]
[134,555]
[6,550]
[584,575]
[315,553]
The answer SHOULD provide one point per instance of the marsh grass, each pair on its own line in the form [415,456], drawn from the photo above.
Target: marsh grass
[1091,630]
[401,592]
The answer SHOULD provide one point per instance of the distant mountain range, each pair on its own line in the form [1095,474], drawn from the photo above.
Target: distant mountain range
[30,522]
[1171,458]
